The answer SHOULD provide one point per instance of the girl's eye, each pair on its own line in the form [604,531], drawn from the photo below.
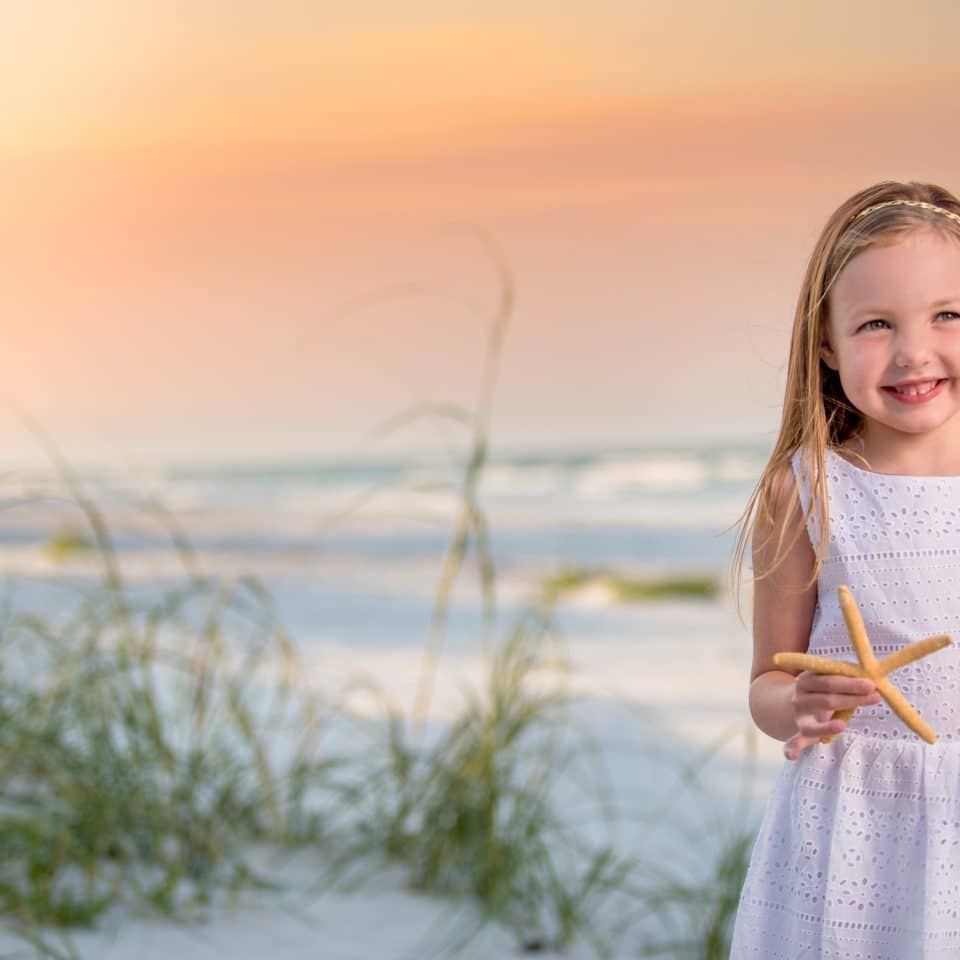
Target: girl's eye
[869,325]
[949,314]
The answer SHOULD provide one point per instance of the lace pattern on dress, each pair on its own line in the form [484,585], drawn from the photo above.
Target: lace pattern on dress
[859,851]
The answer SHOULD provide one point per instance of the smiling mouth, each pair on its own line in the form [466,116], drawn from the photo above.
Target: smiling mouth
[916,389]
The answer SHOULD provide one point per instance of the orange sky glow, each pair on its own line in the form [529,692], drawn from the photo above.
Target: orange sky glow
[199,205]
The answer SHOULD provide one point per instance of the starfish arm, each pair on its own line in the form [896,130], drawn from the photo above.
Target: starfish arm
[856,629]
[807,661]
[912,652]
[900,706]
[839,715]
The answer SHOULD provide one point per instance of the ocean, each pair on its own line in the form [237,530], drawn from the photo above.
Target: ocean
[644,508]
[351,555]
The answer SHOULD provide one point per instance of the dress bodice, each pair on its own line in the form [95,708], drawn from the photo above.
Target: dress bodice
[895,541]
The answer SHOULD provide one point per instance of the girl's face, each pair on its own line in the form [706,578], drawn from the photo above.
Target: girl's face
[894,336]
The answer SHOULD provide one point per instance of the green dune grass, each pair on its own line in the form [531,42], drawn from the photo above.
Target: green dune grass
[137,763]
[67,542]
[624,588]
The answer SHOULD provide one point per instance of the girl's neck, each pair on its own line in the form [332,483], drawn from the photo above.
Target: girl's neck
[893,452]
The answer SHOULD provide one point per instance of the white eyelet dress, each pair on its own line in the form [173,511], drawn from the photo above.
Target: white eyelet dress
[858,854]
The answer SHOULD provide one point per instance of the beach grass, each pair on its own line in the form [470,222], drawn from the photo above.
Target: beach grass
[625,588]
[686,897]
[129,768]
[134,759]
[67,541]
[473,814]
[691,918]
[137,760]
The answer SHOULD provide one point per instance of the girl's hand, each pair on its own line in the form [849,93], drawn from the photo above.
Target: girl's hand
[815,699]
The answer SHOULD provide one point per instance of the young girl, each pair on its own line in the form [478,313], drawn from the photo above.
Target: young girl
[858,855]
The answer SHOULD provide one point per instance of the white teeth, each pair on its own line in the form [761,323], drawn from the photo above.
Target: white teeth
[915,390]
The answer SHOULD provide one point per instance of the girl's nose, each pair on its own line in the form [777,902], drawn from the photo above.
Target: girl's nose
[912,351]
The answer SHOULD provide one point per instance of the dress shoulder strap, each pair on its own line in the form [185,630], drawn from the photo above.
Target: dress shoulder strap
[803,476]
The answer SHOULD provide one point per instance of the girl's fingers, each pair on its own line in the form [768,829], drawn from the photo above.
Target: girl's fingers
[797,744]
[812,730]
[816,698]
[817,692]
[834,701]
[822,725]
[825,683]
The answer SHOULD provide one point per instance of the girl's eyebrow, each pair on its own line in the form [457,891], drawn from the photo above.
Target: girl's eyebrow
[858,312]
[944,302]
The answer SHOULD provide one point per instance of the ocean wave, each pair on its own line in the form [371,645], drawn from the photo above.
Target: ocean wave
[618,477]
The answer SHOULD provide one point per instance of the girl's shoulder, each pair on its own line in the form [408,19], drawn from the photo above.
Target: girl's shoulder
[815,474]
[804,467]
[780,534]
[786,499]
[804,472]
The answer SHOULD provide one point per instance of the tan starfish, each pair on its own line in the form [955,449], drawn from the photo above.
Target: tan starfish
[869,666]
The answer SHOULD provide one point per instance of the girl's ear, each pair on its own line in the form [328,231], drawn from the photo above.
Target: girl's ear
[827,354]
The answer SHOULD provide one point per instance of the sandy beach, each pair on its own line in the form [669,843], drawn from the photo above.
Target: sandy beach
[669,764]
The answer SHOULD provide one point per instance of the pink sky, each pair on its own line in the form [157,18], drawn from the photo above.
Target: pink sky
[198,212]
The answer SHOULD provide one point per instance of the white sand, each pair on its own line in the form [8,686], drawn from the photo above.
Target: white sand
[663,686]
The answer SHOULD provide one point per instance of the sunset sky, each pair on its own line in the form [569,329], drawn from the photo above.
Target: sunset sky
[204,206]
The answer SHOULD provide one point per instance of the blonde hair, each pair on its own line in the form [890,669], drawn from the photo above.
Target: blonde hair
[816,413]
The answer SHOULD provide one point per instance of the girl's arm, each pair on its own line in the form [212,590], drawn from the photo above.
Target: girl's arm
[797,709]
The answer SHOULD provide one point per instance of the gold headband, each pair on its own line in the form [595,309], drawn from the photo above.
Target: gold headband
[907,203]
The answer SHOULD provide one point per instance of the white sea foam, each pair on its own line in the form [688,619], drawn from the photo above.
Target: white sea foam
[617,477]
[502,480]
